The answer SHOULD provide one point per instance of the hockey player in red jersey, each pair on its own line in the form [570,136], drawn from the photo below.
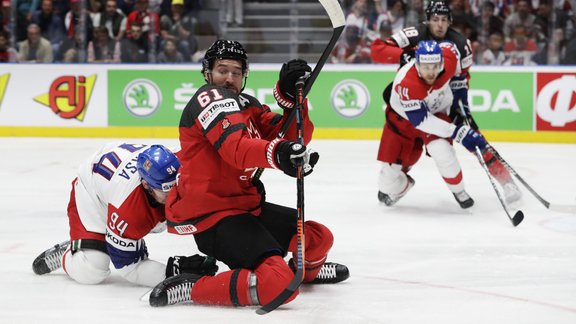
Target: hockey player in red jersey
[225,135]
[417,116]
[118,198]
[399,48]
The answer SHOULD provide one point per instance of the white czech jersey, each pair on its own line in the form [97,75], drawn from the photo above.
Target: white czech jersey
[108,177]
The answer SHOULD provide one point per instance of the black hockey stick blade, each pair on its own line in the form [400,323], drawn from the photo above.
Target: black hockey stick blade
[518,218]
[284,295]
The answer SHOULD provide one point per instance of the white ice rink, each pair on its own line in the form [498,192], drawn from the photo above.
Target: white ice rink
[423,261]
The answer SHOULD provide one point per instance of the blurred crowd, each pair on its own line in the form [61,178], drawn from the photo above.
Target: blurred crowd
[501,32]
[99,31]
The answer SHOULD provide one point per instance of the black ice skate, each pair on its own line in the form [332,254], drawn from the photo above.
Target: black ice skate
[390,200]
[331,273]
[50,259]
[173,290]
[463,199]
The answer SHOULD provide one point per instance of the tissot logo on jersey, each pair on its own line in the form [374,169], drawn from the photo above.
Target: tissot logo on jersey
[210,113]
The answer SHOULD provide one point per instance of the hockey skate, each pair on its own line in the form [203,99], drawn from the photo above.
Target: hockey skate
[331,273]
[390,200]
[463,199]
[173,290]
[50,259]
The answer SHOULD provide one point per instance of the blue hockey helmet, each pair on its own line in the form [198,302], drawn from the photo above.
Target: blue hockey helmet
[438,7]
[158,166]
[429,52]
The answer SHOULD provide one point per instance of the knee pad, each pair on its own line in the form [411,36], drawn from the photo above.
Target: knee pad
[447,163]
[391,179]
[89,267]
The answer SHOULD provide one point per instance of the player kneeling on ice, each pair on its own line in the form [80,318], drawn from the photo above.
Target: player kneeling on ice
[225,136]
[417,116]
[118,198]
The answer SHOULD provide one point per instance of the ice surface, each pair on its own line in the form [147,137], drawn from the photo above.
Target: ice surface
[422,261]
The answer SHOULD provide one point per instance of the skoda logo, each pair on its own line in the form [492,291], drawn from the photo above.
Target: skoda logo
[350,98]
[142,98]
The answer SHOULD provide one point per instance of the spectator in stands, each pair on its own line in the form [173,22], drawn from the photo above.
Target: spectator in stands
[550,32]
[351,49]
[7,54]
[520,16]
[103,48]
[395,16]
[170,53]
[494,53]
[95,9]
[114,20]
[24,10]
[77,20]
[126,6]
[521,48]
[35,48]
[73,49]
[178,27]
[568,55]
[61,7]
[134,48]
[415,13]
[360,17]
[51,25]
[234,13]
[488,23]
[146,18]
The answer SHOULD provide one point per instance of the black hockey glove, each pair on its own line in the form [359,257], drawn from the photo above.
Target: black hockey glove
[285,90]
[407,55]
[197,264]
[288,155]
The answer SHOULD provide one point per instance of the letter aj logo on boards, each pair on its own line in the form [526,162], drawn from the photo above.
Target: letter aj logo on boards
[556,101]
[68,96]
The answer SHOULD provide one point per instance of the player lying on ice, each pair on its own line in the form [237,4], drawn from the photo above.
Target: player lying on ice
[225,135]
[118,198]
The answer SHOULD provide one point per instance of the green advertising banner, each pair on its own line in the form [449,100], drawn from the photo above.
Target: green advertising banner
[157,98]
[502,101]
[339,99]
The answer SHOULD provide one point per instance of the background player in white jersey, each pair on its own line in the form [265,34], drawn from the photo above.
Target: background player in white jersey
[417,116]
[399,48]
[116,200]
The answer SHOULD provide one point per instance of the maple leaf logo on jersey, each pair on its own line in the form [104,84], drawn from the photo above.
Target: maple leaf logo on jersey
[225,123]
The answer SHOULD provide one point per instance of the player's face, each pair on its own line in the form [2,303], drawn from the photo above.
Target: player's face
[226,73]
[159,195]
[438,26]
[429,71]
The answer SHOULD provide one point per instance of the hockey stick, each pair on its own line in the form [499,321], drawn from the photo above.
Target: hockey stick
[546,203]
[336,15]
[299,275]
[519,215]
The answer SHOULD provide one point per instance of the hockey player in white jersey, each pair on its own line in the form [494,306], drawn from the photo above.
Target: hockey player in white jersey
[418,116]
[118,198]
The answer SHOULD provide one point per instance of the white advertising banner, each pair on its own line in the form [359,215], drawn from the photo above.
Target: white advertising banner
[53,95]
